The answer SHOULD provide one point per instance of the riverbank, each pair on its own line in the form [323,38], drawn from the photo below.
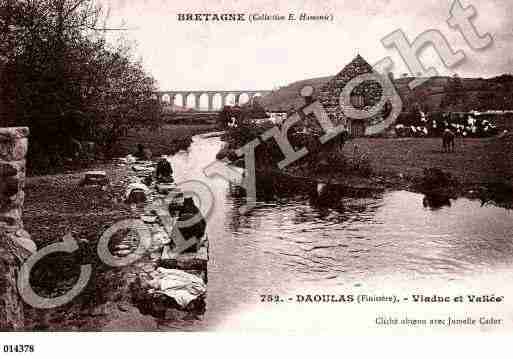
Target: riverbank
[477,168]
[167,140]
[55,205]
[474,161]
[399,160]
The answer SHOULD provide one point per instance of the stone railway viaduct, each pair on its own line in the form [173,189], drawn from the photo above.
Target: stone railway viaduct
[172,96]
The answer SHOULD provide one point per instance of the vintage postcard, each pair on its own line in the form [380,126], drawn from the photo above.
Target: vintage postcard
[279,167]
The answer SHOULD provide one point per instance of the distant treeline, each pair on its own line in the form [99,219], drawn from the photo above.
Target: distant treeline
[61,77]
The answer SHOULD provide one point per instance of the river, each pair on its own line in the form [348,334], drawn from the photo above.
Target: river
[287,246]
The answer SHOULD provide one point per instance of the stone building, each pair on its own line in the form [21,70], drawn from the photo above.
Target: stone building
[363,97]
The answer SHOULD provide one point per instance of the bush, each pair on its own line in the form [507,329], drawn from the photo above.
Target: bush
[63,80]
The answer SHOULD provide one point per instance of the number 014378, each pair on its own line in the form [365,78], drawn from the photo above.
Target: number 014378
[18,348]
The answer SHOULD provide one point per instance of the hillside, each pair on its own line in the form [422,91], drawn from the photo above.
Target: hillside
[475,94]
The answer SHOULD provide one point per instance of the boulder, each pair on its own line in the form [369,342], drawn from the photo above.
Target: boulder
[95,178]
[185,261]
[136,193]
[166,188]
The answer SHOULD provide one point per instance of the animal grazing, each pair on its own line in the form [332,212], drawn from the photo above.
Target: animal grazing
[448,140]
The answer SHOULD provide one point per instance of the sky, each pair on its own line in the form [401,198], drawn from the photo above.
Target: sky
[266,55]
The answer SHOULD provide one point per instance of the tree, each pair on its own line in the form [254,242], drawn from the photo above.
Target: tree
[253,110]
[453,92]
[63,80]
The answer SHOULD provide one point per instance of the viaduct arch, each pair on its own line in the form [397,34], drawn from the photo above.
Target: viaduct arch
[184,95]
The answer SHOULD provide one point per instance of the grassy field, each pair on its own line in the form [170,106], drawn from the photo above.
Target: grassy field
[164,141]
[474,160]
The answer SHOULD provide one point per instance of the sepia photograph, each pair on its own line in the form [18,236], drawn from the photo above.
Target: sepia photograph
[264,167]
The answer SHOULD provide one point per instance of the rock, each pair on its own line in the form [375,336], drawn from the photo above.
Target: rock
[136,196]
[83,241]
[123,252]
[13,143]
[148,180]
[128,159]
[149,219]
[95,178]
[185,261]
[123,307]
[11,308]
[11,220]
[9,187]
[23,240]
[166,188]
[13,133]
[143,170]
[7,169]
[155,256]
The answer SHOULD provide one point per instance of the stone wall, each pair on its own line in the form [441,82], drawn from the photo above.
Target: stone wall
[370,93]
[15,242]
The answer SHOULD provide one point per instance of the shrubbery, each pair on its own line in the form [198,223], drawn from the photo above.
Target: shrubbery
[60,77]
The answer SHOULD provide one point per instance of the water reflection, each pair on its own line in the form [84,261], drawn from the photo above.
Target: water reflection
[287,242]
[436,201]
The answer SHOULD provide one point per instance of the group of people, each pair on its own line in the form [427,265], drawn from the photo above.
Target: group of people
[191,222]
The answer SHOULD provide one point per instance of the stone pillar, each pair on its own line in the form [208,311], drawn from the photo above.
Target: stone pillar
[237,99]
[186,100]
[210,102]
[172,99]
[223,99]
[15,242]
[197,101]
